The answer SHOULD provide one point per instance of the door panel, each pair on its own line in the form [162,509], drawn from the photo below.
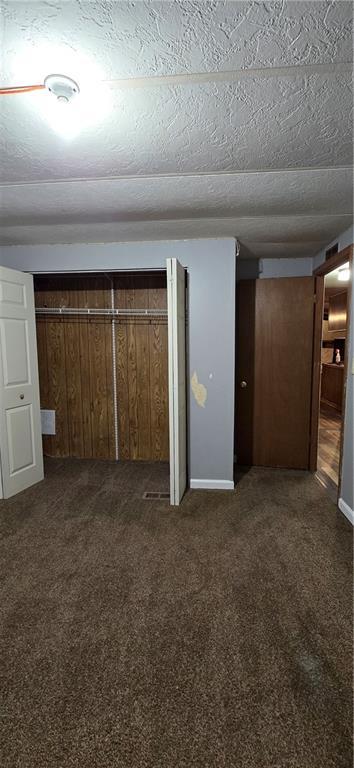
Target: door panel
[14,352]
[176,289]
[20,427]
[20,433]
[280,368]
[12,293]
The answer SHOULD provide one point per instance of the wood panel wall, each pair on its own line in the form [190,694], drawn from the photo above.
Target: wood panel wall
[76,375]
[142,369]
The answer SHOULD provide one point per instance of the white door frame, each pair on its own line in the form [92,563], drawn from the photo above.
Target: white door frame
[176,292]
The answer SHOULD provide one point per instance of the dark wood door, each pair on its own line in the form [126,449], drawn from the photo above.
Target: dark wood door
[275,337]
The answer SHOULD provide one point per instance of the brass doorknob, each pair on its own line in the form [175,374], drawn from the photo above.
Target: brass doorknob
[243,384]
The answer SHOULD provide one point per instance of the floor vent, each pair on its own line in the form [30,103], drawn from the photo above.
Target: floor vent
[156,495]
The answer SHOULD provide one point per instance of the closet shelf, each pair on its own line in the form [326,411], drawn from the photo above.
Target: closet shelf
[109,312]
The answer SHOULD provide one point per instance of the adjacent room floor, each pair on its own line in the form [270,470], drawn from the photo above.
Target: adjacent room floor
[136,635]
[329,434]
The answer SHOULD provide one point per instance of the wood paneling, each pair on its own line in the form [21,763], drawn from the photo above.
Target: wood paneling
[142,373]
[158,347]
[75,368]
[76,373]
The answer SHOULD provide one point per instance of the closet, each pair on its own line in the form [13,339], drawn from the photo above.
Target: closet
[103,364]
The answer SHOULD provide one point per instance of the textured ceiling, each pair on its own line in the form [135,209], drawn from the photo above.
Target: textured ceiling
[264,158]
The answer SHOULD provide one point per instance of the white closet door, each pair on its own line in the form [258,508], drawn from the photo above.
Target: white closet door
[20,424]
[176,302]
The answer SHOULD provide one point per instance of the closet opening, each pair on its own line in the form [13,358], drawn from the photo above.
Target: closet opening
[103,367]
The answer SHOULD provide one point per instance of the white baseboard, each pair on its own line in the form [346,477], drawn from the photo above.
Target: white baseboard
[345,508]
[218,485]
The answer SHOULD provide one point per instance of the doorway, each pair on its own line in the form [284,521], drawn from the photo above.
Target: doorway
[290,377]
[105,378]
[333,371]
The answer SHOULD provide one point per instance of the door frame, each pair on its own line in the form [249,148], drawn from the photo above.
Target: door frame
[73,272]
[346,254]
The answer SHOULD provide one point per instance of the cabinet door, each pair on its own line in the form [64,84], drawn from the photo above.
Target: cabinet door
[337,314]
[332,385]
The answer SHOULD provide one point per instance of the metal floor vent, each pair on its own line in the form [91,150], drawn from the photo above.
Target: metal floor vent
[156,495]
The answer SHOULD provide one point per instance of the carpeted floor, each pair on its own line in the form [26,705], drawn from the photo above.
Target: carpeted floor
[135,635]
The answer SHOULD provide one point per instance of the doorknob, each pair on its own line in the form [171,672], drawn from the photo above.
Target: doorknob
[243,384]
[22,397]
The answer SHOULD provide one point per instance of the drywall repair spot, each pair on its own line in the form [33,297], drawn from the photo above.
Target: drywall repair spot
[199,391]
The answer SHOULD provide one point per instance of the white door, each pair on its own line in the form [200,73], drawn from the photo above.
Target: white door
[176,303]
[20,425]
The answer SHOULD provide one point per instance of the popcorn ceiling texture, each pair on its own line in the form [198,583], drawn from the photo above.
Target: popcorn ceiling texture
[191,129]
[176,197]
[258,124]
[157,38]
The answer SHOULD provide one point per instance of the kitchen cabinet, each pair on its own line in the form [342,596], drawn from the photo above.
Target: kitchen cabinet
[332,380]
[337,312]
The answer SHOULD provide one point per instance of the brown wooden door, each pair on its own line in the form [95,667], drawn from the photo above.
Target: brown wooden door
[275,337]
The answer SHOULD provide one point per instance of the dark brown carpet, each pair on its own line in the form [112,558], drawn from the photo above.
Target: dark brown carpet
[216,635]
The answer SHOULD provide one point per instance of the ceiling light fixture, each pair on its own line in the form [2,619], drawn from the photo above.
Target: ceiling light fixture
[343,273]
[62,87]
[69,105]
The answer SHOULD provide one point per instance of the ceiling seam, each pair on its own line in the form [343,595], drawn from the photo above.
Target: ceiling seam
[151,81]
[196,219]
[185,175]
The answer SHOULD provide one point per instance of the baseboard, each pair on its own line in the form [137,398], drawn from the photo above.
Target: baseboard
[217,485]
[345,508]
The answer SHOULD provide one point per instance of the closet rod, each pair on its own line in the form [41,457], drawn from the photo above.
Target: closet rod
[110,312]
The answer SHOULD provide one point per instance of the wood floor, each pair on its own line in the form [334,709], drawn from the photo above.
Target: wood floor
[329,447]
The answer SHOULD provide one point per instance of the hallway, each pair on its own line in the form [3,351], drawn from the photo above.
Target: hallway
[329,449]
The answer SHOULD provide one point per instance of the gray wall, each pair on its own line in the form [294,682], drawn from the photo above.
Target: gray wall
[301,267]
[251,269]
[211,268]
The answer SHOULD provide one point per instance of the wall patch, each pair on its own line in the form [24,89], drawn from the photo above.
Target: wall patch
[199,391]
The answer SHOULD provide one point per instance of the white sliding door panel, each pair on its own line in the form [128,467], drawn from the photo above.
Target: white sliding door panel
[176,292]
[20,426]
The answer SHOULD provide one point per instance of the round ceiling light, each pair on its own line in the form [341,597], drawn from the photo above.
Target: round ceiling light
[62,87]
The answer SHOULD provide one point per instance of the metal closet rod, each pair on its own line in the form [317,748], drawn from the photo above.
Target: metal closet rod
[110,312]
